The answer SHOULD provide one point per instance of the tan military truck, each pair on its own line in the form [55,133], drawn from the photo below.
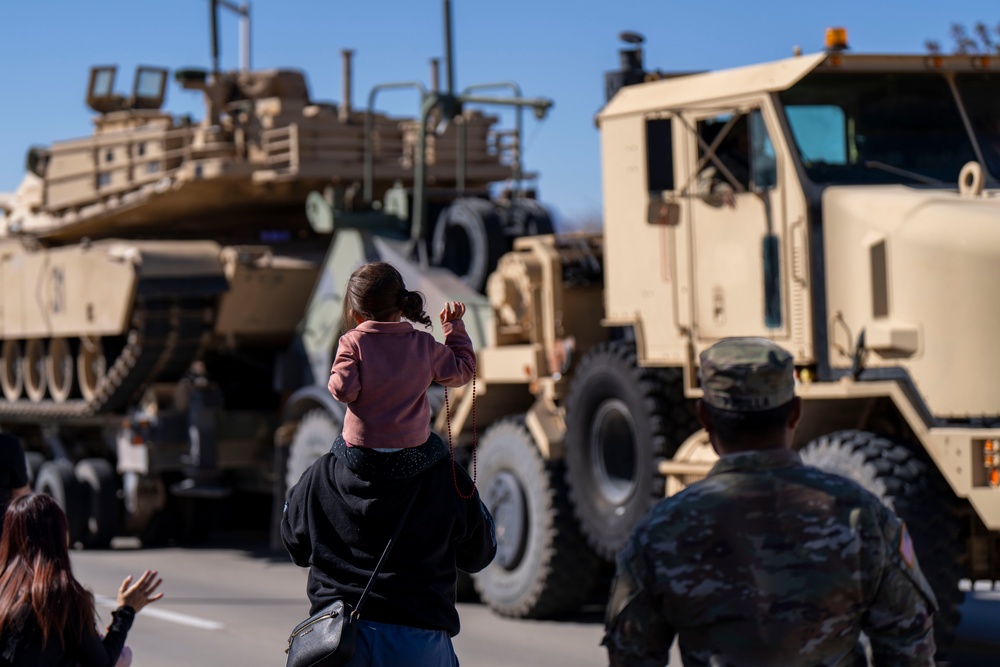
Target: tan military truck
[154,275]
[843,205]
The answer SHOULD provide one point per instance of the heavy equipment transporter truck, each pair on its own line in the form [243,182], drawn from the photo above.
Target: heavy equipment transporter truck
[843,205]
[154,277]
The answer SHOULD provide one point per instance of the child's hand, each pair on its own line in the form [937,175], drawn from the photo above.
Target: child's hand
[453,310]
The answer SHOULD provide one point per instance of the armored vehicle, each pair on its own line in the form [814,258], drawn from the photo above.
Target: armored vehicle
[843,205]
[155,275]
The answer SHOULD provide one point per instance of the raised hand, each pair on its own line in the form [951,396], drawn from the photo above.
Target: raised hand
[141,593]
[453,310]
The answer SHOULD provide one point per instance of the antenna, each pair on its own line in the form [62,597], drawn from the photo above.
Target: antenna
[243,11]
[448,61]
[214,22]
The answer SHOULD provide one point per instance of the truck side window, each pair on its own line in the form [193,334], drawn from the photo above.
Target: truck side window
[659,155]
[764,170]
[733,151]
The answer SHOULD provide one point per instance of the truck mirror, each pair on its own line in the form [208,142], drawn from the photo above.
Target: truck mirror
[772,281]
[662,212]
[763,165]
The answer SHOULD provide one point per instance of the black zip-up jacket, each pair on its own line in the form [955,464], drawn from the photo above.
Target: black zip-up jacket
[342,512]
[21,644]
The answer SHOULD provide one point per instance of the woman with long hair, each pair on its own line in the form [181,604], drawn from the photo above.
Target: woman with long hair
[47,619]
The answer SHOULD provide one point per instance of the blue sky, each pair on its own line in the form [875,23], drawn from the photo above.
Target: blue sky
[555,49]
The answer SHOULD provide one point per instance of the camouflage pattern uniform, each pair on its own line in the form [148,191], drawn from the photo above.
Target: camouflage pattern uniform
[768,561]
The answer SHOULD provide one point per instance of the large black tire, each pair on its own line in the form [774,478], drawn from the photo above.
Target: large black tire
[907,483]
[621,420]
[314,437]
[468,240]
[58,479]
[527,217]
[543,566]
[99,493]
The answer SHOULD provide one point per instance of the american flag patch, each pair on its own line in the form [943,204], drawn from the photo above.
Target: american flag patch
[906,548]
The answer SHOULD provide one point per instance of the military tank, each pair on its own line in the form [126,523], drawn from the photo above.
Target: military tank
[154,275]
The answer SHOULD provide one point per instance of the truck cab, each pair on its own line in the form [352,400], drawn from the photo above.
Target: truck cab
[842,205]
[845,206]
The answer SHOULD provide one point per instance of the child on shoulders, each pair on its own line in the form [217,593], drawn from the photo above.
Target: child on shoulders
[384,365]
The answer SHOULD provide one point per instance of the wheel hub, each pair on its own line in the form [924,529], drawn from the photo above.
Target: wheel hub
[613,451]
[505,498]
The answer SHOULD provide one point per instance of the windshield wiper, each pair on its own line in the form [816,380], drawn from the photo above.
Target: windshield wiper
[920,178]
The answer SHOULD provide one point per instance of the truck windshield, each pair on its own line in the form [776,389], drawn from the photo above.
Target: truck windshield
[980,94]
[877,128]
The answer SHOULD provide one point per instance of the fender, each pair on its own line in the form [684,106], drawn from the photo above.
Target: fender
[309,397]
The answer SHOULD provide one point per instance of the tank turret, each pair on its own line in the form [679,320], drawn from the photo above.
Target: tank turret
[261,147]
[154,276]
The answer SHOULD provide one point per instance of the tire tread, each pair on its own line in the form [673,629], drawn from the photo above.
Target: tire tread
[919,495]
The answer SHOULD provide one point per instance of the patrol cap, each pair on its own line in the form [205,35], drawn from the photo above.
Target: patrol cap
[747,375]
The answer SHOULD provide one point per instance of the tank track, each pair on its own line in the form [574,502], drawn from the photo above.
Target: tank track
[166,337]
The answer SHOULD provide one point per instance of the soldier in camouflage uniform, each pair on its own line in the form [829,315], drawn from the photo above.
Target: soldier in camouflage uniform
[766,562]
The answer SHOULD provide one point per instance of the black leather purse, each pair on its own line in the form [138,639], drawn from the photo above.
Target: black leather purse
[326,639]
[329,637]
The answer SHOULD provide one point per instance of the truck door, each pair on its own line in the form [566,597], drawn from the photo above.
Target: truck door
[737,223]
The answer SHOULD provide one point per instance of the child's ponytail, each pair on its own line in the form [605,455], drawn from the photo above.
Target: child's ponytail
[411,304]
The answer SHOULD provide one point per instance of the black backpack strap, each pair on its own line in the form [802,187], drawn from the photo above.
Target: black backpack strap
[388,547]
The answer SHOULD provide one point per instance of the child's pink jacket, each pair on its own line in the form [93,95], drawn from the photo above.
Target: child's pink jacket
[382,371]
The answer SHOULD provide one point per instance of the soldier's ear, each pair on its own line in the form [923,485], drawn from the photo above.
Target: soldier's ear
[796,414]
[706,423]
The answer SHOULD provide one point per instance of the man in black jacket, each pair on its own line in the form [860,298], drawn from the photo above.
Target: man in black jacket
[342,512]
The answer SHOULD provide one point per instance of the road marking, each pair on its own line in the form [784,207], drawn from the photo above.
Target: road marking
[987,595]
[172,616]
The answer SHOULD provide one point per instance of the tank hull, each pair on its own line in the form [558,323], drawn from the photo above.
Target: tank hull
[88,327]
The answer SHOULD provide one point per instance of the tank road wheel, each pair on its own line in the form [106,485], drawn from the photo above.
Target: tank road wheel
[91,366]
[99,494]
[34,369]
[58,479]
[620,420]
[12,378]
[468,240]
[59,369]
[917,493]
[543,566]
[314,438]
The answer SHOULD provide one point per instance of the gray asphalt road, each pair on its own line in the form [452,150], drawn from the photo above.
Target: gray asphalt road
[979,641]
[227,606]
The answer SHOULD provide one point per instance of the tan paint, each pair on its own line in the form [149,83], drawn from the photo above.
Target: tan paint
[942,278]
[267,294]
[680,273]
[270,144]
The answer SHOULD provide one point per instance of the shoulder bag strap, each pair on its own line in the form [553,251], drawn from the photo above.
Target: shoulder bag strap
[385,554]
